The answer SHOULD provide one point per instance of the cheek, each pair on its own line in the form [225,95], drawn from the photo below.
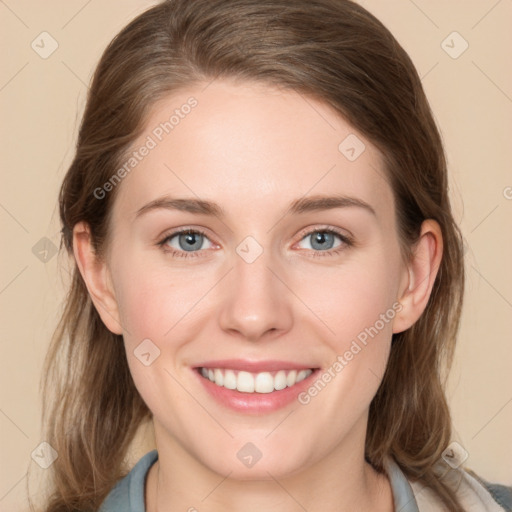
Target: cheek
[358,304]
[153,299]
[359,311]
[353,298]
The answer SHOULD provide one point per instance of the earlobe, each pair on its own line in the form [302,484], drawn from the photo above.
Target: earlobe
[96,276]
[422,271]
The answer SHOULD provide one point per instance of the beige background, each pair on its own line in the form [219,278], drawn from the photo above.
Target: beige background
[41,101]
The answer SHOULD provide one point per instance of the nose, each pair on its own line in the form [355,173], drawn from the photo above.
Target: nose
[256,303]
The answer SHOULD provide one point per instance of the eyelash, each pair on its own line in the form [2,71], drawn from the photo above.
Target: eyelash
[346,242]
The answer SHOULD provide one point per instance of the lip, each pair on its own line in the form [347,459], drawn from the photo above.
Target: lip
[254,403]
[254,366]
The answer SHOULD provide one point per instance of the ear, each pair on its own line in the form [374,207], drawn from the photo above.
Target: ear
[96,275]
[420,275]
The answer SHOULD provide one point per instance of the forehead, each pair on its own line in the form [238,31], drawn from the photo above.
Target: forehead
[241,144]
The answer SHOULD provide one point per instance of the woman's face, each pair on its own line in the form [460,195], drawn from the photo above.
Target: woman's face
[293,265]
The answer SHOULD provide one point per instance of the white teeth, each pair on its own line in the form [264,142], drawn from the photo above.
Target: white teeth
[229,379]
[302,375]
[291,378]
[246,382]
[280,380]
[219,377]
[264,383]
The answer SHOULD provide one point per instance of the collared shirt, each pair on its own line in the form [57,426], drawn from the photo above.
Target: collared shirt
[474,493]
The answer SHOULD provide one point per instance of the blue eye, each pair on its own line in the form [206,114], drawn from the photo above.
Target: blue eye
[188,243]
[321,241]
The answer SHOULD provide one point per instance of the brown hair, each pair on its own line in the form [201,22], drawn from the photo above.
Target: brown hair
[331,50]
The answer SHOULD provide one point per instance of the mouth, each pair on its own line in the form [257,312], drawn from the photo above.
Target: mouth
[250,382]
[254,387]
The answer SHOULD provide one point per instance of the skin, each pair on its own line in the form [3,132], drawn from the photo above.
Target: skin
[254,149]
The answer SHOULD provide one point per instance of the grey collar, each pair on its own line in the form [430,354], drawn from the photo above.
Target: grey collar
[402,490]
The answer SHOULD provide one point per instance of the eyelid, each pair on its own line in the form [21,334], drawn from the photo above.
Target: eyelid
[344,234]
[347,239]
[166,236]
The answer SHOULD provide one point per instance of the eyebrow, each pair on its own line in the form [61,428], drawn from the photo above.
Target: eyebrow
[302,205]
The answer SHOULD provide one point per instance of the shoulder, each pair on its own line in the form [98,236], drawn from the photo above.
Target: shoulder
[474,493]
[502,494]
[128,494]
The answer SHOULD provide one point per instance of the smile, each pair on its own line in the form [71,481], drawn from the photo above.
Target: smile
[249,382]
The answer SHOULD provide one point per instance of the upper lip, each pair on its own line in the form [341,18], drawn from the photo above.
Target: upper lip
[254,366]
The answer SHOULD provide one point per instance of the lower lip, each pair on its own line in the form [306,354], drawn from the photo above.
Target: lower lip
[256,403]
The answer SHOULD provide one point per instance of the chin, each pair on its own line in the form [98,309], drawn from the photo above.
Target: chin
[247,463]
